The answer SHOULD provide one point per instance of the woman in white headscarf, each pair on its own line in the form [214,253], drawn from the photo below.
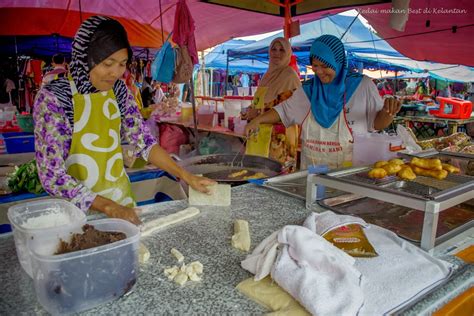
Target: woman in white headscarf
[277,85]
[81,119]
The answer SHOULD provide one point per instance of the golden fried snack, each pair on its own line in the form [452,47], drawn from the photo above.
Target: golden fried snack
[426,163]
[437,174]
[380,164]
[406,173]
[238,174]
[257,175]
[405,165]
[450,168]
[392,168]
[396,161]
[377,173]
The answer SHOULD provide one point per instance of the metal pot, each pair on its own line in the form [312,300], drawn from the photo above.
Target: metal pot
[219,166]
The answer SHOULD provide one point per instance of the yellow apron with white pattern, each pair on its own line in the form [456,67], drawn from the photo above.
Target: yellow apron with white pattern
[95,158]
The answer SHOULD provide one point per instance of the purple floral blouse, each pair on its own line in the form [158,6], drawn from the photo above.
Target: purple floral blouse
[53,136]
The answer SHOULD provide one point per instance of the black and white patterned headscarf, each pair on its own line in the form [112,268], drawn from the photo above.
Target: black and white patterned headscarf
[79,69]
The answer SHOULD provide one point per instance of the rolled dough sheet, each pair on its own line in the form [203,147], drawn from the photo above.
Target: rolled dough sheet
[220,196]
[268,294]
[165,221]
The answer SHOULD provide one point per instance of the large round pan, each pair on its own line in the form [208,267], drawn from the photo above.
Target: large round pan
[219,166]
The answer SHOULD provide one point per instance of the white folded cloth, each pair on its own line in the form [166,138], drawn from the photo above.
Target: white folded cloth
[317,274]
[321,223]
[260,261]
[399,275]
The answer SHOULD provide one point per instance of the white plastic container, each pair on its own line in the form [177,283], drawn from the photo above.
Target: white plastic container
[372,147]
[232,108]
[30,219]
[81,280]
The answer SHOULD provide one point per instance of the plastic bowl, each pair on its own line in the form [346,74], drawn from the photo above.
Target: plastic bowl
[23,230]
[80,280]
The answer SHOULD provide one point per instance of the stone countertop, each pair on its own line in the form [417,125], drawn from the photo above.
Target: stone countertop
[206,238]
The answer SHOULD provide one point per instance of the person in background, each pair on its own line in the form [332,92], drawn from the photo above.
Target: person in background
[130,82]
[387,89]
[6,88]
[59,69]
[147,92]
[81,120]
[277,85]
[330,107]
[158,94]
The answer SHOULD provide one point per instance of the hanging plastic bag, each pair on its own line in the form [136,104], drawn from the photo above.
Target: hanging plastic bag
[184,65]
[163,66]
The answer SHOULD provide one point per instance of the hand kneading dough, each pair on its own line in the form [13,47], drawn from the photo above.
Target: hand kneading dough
[162,222]
[241,237]
[220,196]
[143,253]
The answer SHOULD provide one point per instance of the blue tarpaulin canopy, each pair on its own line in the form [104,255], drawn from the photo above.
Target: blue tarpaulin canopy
[362,46]
[217,58]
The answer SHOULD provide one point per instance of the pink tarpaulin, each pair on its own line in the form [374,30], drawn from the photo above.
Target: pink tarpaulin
[447,38]
[214,24]
[436,30]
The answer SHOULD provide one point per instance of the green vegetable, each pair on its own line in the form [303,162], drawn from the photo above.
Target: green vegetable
[25,178]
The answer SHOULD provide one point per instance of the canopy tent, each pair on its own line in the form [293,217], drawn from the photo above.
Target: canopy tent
[214,23]
[436,30]
[449,20]
[458,73]
[354,33]
[48,45]
[362,45]
[217,58]
[35,45]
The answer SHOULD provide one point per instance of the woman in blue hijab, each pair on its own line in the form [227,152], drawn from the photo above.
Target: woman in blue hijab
[331,107]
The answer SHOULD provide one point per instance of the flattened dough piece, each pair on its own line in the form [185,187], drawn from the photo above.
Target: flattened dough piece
[241,237]
[165,221]
[177,254]
[220,196]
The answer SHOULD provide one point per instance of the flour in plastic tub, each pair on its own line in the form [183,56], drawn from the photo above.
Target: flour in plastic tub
[47,220]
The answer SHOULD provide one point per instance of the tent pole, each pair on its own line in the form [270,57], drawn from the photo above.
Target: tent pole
[226,74]
[19,76]
[193,102]
[396,81]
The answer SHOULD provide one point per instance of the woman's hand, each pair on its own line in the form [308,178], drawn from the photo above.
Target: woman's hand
[391,106]
[200,184]
[250,114]
[116,210]
[251,128]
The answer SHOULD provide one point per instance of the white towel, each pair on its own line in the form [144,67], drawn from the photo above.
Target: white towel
[401,273]
[317,274]
[260,261]
[321,223]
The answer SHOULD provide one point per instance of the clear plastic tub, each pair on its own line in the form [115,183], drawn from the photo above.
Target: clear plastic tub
[81,280]
[31,219]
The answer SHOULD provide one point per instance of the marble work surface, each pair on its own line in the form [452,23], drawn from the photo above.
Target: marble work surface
[206,238]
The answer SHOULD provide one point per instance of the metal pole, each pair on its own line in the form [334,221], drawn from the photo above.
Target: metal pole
[19,77]
[195,123]
[226,74]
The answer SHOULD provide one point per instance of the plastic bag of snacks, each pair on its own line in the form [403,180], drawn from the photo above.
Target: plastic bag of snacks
[351,239]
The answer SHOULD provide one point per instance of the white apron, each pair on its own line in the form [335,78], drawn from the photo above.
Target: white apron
[330,146]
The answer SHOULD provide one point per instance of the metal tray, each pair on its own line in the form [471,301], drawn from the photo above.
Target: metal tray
[404,221]
[422,187]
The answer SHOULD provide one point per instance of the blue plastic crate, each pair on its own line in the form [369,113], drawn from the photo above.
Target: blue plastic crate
[20,142]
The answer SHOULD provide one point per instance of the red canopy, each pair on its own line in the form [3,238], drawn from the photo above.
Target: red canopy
[446,38]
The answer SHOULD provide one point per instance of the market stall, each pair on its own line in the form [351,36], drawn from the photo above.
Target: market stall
[206,238]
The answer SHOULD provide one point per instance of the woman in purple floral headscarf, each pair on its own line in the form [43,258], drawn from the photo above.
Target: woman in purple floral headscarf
[81,119]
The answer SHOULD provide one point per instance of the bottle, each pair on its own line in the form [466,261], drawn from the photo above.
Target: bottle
[215,119]
[230,124]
